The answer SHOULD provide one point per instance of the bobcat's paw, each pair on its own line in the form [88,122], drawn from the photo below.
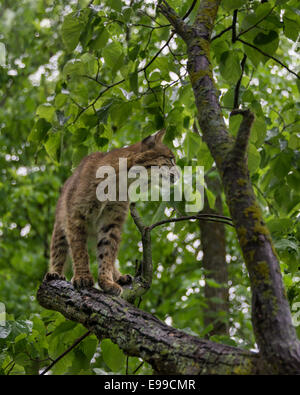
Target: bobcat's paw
[125,279]
[110,287]
[85,281]
[53,276]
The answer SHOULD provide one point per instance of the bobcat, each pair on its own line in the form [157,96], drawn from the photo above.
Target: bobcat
[79,211]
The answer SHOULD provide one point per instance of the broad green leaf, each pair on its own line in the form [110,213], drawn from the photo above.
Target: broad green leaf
[229,5]
[230,67]
[282,165]
[112,54]
[116,5]
[101,39]
[291,23]
[133,81]
[73,68]
[45,111]
[72,28]
[211,198]
[294,142]
[258,132]
[39,131]
[60,100]
[253,158]
[79,152]
[79,135]
[53,143]
[112,355]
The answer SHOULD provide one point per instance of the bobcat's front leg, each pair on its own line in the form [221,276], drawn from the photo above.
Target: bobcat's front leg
[109,237]
[77,238]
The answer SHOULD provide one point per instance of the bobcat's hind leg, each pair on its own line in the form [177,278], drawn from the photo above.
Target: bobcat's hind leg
[58,254]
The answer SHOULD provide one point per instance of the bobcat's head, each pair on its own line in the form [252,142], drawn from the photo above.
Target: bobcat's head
[155,154]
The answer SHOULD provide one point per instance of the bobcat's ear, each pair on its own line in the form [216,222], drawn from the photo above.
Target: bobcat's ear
[148,143]
[160,136]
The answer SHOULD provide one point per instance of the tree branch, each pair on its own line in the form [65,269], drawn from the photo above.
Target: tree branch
[200,217]
[238,84]
[268,56]
[77,341]
[138,333]
[242,138]
[176,21]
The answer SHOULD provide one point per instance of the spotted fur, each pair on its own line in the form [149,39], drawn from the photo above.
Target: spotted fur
[79,214]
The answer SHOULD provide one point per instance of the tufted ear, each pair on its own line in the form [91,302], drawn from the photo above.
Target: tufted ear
[150,141]
[160,136]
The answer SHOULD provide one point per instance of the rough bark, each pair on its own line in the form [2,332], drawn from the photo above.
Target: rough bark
[213,243]
[272,322]
[139,333]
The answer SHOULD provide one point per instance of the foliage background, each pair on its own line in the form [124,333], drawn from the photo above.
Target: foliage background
[75,79]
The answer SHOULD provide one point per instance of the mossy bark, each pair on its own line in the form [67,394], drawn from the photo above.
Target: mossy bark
[139,333]
[213,243]
[275,335]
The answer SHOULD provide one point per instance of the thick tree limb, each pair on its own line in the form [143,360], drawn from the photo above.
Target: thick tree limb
[138,333]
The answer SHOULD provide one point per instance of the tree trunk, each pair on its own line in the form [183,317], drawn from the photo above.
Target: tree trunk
[271,317]
[213,243]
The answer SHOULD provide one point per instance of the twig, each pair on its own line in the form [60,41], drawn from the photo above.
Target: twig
[140,365]
[201,217]
[66,352]
[257,23]
[190,10]
[269,56]
[221,33]
[238,84]
[234,20]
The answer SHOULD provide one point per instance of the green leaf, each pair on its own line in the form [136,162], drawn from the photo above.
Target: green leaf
[39,131]
[80,152]
[258,132]
[263,39]
[267,42]
[112,54]
[282,165]
[229,5]
[112,355]
[80,135]
[230,67]
[253,158]
[52,145]
[60,100]
[101,39]
[211,198]
[72,28]
[133,82]
[73,67]
[294,142]
[45,111]
[291,23]
[116,5]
